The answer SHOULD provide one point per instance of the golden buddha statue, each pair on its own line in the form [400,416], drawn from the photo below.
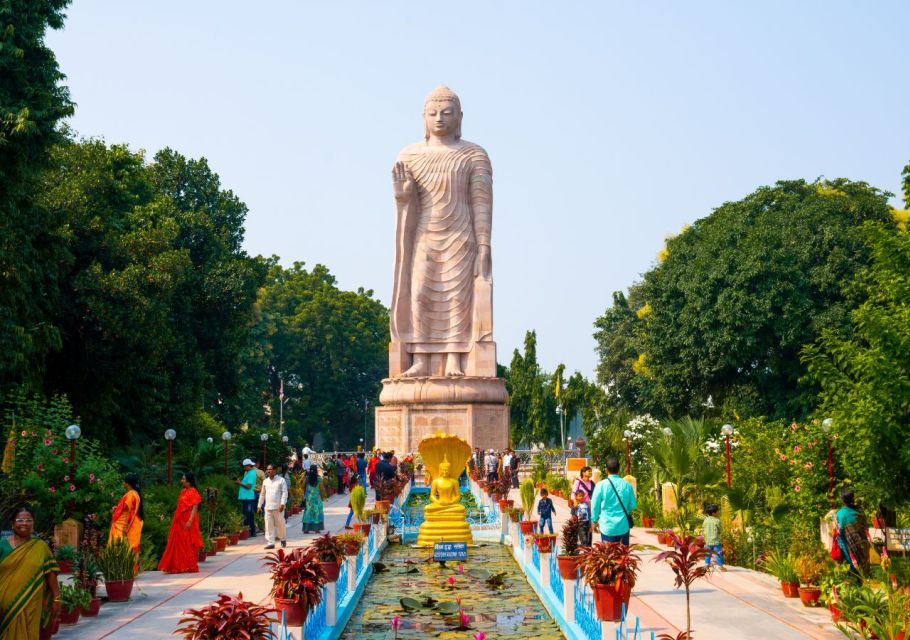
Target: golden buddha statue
[444,517]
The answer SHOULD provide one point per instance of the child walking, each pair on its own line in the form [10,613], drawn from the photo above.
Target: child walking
[582,510]
[545,510]
[711,527]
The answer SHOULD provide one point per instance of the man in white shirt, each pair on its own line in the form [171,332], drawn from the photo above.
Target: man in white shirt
[273,498]
[507,464]
[307,463]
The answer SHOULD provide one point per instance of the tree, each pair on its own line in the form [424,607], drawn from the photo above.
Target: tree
[864,378]
[32,102]
[329,346]
[532,404]
[156,301]
[740,293]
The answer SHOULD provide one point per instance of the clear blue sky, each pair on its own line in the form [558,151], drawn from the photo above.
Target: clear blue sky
[610,125]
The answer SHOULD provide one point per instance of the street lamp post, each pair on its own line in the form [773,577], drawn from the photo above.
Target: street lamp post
[265,438]
[226,436]
[727,430]
[366,410]
[826,427]
[72,434]
[169,435]
[562,422]
[628,436]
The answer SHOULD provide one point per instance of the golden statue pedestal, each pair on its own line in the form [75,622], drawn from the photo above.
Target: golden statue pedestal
[444,518]
[447,527]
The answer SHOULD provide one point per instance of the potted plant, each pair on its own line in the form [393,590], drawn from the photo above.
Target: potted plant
[351,542]
[610,569]
[514,514]
[227,617]
[373,516]
[72,599]
[648,508]
[503,486]
[220,542]
[808,570]
[687,559]
[86,576]
[208,546]
[527,493]
[116,562]
[782,567]
[297,579]
[65,556]
[358,504]
[568,561]
[329,552]
[544,541]
[233,525]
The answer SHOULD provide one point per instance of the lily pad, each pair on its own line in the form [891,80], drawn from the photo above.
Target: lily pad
[447,607]
[409,604]
[379,567]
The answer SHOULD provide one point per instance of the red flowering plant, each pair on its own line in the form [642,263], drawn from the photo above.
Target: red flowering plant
[227,617]
[296,574]
[804,451]
[39,469]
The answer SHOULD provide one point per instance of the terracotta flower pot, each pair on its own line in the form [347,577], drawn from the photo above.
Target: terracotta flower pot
[608,601]
[351,548]
[94,606]
[211,554]
[527,526]
[661,538]
[809,596]
[234,538]
[568,567]
[294,611]
[201,556]
[647,522]
[69,617]
[363,527]
[118,590]
[836,614]
[544,542]
[220,543]
[514,516]
[383,504]
[331,570]
[66,566]
[244,534]
[790,589]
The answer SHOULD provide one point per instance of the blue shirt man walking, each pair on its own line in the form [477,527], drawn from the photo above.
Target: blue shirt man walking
[611,504]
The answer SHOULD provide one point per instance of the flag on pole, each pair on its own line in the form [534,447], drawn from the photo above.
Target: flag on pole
[558,384]
[281,389]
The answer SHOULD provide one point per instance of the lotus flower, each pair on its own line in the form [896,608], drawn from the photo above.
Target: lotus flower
[451,581]
[396,622]
[480,635]
[460,568]
[464,618]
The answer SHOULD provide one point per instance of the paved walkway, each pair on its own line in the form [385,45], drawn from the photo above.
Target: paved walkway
[159,599]
[738,604]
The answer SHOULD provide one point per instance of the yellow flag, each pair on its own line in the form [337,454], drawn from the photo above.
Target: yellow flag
[558,384]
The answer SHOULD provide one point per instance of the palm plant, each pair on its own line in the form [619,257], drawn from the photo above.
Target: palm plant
[680,460]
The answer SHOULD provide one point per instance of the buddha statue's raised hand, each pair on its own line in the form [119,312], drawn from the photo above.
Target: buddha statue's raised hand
[402,183]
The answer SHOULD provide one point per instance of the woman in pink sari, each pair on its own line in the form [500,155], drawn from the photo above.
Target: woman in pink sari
[184,540]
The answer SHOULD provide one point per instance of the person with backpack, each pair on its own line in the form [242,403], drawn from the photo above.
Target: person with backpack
[612,505]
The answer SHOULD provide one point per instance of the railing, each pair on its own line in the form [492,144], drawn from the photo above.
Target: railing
[556,579]
[585,616]
[315,624]
[341,585]
[535,557]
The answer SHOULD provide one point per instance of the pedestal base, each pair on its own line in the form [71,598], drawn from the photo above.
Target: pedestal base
[401,427]
[445,531]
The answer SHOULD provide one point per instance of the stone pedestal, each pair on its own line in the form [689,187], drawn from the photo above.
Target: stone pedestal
[400,427]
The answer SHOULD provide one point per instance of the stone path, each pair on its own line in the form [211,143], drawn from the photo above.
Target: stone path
[159,600]
[738,604]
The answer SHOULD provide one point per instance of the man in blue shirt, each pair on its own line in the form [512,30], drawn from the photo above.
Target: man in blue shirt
[362,469]
[611,504]
[246,493]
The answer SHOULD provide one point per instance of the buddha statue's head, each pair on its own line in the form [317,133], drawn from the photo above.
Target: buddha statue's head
[442,113]
[445,467]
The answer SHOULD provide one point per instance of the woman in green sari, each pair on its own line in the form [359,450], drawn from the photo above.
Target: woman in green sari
[29,597]
[312,514]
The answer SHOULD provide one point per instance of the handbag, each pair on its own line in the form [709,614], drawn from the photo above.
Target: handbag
[836,553]
[622,506]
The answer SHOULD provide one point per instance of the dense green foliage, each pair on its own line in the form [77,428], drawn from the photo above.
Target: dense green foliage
[331,349]
[32,102]
[738,295]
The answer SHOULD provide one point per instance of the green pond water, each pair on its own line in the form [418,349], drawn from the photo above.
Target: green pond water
[510,611]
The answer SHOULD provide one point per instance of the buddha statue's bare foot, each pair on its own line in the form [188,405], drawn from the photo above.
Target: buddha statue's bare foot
[453,366]
[420,368]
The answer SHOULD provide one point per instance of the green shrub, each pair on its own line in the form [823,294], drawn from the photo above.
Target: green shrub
[117,561]
[528,494]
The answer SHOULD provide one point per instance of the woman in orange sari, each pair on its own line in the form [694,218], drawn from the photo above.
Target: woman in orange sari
[184,540]
[29,597]
[128,516]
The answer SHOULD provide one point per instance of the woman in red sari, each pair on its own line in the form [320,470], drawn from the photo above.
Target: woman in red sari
[183,540]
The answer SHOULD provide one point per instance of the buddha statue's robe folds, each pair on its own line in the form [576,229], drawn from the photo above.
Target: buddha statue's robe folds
[434,309]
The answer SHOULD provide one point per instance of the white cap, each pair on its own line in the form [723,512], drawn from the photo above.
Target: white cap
[247,461]
[492,450]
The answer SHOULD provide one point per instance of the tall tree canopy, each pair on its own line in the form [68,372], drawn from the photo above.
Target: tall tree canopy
[331,349]
[32,102]
[736,298]
[156,301]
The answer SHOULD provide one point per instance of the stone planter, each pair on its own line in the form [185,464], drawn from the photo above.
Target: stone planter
[94,606]
[294,611]
[118,590]
[568,567]
[809,596]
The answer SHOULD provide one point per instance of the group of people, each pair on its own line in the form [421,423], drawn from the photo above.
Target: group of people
[496,464]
